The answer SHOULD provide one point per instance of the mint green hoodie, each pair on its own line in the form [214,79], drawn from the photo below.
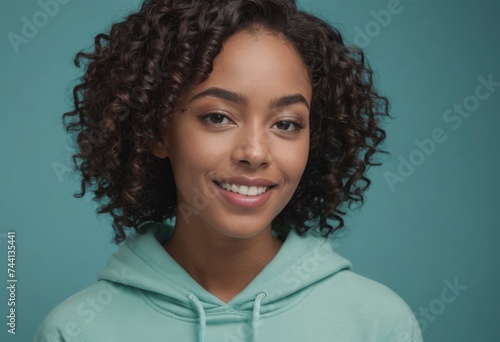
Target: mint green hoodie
[306,293]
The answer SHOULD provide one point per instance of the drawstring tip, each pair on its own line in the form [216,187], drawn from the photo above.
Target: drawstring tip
[256,315]
[201,314]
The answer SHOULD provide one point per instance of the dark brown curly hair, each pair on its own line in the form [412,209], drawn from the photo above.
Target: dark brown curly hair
[139,70]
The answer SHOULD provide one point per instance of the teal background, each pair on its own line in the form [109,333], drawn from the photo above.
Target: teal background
[439,225]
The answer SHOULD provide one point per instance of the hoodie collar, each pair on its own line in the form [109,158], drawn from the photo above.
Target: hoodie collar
[141,262]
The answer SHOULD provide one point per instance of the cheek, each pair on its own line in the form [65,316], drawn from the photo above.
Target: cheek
[205,150]
[293,159]
[194,154]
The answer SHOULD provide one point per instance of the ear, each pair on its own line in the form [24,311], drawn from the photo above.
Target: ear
[159,149]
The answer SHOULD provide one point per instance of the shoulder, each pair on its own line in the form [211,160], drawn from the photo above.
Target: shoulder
[71,319]
[361,289]
[369,302]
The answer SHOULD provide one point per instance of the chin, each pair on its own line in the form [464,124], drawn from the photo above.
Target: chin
[238,230]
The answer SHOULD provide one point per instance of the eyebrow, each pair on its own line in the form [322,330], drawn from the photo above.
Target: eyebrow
[237,98]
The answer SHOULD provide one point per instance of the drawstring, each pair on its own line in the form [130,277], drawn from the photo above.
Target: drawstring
[201,313]
[256,315]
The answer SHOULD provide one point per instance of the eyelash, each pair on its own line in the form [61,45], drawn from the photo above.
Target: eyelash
[205,118]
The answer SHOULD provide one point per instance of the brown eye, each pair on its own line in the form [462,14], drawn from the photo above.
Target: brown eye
[215,119]
[289,125]
[284,125]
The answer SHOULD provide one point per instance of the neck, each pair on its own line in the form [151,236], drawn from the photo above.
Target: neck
[222,265]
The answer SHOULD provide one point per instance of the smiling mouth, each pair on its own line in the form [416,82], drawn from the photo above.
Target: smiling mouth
[244,189]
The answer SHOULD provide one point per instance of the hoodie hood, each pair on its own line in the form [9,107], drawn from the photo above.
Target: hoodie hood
[142,263]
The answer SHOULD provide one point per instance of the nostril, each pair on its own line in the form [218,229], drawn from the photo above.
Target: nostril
[255,163]
[251,155]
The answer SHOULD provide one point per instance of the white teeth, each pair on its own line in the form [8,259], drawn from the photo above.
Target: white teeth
[252,191]
[244,189]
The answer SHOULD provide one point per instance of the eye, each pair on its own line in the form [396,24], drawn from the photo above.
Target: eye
[289,125]
[215,118]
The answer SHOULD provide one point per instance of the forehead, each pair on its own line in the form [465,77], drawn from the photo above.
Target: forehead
[260,64]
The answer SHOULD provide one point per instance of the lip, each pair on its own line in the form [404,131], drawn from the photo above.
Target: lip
[243,180]
[243,201]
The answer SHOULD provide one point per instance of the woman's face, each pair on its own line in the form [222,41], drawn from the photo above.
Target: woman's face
[240,142]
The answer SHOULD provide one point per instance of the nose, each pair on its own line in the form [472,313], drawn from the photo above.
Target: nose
[252,148]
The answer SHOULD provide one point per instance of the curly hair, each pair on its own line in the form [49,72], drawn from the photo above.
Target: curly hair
[137,72]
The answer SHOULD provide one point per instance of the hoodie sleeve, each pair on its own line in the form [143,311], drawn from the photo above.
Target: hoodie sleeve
[49,332]
[64,322]
[406,327]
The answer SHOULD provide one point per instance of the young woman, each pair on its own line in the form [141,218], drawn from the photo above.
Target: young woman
[229,135]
